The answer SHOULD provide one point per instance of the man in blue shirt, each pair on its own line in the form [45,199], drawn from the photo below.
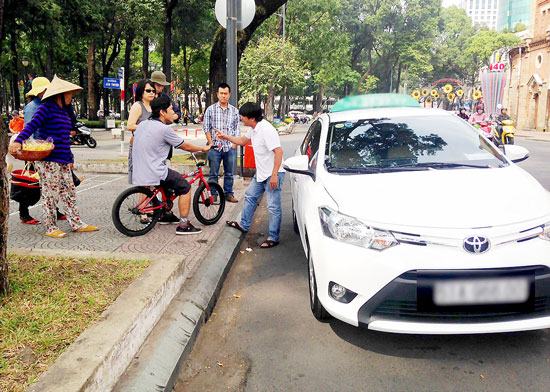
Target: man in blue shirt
[39,86]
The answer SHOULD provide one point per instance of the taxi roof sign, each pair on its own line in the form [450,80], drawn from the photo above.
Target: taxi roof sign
[374,101]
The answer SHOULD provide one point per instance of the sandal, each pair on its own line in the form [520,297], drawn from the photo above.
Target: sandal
[86,229]
[235,225]
[269,244]
[56,234]
[30,221]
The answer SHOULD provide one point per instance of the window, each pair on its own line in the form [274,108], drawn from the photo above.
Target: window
[310,146]
[393,144]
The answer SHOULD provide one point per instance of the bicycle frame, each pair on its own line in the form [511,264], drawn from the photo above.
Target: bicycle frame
[196,175]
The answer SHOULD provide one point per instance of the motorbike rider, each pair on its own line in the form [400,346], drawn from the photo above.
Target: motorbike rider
[479,116]
[500,118]
[463,115]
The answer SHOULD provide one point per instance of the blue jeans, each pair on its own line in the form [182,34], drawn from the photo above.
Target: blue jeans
[253,193]
[215,158]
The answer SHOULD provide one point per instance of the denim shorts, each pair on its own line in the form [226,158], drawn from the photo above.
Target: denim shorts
[176,182]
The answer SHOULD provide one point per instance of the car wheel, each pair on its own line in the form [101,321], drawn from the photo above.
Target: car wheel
[295,221]
[317,308]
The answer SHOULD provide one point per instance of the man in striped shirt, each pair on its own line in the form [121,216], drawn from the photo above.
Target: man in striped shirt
[224,118]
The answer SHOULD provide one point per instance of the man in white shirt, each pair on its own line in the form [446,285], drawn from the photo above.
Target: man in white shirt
[269,177]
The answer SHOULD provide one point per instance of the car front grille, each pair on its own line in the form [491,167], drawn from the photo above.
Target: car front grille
[399,300]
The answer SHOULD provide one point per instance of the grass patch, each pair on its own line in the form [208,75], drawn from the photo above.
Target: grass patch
[52,301]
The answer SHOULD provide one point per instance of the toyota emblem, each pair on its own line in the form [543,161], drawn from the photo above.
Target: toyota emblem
[476,244]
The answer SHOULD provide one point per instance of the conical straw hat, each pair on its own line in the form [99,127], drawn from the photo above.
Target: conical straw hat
[60,86]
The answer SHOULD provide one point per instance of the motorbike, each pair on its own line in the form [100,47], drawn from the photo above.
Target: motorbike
[486,128]
[507,133]
[82,135]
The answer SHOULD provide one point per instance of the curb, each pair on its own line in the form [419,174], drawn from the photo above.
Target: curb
[157,365]
[99,356]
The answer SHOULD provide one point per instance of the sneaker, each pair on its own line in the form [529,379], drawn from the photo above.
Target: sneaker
[169,219]
[188,229]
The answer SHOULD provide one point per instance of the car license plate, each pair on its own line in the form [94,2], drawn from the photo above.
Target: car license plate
[481,291]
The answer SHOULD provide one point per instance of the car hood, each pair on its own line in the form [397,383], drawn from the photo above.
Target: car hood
[455,198]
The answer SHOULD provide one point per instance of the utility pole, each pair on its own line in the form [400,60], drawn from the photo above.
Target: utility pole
[233,16]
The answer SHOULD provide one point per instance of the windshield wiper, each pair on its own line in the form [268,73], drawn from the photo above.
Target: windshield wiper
[446,165]
[371,170]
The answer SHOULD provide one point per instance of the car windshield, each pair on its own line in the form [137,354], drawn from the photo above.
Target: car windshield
[407,143]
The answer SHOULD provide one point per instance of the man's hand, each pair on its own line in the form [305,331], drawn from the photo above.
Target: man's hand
[206,148]
[14,147]
[274,182]
[220,135]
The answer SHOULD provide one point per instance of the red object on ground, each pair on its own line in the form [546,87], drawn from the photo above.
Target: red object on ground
[249,161]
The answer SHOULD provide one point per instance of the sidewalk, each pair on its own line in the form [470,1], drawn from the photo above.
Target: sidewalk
[96,360]
[533,135]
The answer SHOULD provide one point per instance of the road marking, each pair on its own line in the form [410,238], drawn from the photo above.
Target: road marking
[80,191]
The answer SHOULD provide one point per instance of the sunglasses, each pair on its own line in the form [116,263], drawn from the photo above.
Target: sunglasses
[149,90]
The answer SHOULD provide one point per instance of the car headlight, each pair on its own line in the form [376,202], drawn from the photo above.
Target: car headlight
[352,231]
[545,235]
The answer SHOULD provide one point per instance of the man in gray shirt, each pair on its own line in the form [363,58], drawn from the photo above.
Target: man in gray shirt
[153,139]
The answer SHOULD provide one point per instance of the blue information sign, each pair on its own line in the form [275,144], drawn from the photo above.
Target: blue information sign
[112,83]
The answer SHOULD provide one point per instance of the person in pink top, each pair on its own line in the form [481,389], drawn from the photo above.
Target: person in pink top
[478,116]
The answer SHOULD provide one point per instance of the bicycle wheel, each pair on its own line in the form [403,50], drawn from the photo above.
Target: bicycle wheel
[126,214]
[208,212]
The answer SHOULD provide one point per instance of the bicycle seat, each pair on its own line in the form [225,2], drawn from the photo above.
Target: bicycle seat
[201,163]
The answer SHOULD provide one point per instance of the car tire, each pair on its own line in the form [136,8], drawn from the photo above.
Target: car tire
[319,312]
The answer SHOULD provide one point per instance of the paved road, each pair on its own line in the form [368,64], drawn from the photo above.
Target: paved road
[262,336]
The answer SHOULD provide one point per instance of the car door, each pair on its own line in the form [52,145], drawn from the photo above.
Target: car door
[304,184]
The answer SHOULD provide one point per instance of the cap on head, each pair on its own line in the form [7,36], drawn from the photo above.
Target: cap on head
[159,77]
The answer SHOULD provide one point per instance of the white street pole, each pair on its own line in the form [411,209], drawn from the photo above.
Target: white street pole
[122,99]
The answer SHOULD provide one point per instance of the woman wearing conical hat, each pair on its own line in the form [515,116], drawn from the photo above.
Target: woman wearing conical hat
[53,119]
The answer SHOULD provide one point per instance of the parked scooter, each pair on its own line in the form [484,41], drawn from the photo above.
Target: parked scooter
[82,135]
[507,133]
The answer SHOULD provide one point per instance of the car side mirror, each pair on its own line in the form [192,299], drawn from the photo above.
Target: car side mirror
[515,153]
[298,165]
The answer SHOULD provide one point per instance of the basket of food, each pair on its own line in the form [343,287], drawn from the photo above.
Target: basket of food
[34,150]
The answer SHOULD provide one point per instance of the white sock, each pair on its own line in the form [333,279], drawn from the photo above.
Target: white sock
[184,221]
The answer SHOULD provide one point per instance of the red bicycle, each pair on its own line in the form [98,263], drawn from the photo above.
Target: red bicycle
[137,210]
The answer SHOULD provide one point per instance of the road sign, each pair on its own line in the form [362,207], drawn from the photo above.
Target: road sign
[248,10]
[112,83]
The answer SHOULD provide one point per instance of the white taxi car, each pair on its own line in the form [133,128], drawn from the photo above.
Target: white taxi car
[413,222]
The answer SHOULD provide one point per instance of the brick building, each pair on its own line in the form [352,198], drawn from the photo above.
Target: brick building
[528,94]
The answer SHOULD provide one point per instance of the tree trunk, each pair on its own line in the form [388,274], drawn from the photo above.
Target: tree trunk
[145,58]
[4,207]
[14,76]
[264,9]
[186,82]
[269,103]
[398,82]
[92,102]
[318,100]
[167,46]
[130,36]
[49,61]
[83,98]
[199,102]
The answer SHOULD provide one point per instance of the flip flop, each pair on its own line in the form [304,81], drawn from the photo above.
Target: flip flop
[235,225]
[31,221]
[269,244]
[56,234]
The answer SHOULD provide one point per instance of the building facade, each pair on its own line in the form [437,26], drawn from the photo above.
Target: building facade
[528,94]
[482,12]
[513,12]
